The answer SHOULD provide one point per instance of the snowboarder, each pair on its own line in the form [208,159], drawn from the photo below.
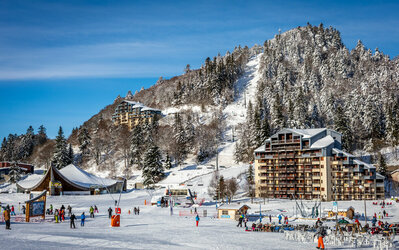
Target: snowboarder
[12,210]
[73,221]
[197,218]
[7,217]
[95,209]
[279,218]
[82,219]
[91,212]
[109,212]
[320,233]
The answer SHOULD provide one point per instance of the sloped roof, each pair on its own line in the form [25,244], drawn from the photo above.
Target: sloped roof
[307,133]
[323,142]
[140,105]
[339,151]
[83,178]
[261,149]
[233,206]
[71,174]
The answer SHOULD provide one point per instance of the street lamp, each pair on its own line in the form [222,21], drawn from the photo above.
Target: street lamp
[364,198]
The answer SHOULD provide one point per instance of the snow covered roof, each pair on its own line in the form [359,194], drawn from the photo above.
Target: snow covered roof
[140,105]
[233,206]
[83,178]
[339,151]
[323,142]
[307,133]
[30,181]
[72,175]
[366,165]
[261,149]
[379,176]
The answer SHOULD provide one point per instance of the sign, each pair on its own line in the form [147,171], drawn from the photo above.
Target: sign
[335,207]
[225,216]
[36,206]
[56,184]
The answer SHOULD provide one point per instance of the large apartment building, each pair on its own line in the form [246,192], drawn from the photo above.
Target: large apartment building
[132,113]
[309,164]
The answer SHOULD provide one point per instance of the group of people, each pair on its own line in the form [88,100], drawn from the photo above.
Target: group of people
[93,210]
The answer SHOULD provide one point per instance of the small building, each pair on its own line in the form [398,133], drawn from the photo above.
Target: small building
[348,213]
[69,180]
[232,211]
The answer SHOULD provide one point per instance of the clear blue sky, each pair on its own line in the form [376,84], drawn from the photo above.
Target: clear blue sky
[63,61]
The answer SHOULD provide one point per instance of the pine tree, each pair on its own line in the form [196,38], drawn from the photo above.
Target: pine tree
[168,163]
[222,188]
[136,146]
[277,114]
[341,124]
[382,165]
[84,141]
[265,132]
[14,173]
[251,182]
[213,185]
[180,138]
[41,135]
[152,168]
[60,157]
[71,156]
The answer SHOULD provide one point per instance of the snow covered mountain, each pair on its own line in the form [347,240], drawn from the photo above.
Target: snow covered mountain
[302,78]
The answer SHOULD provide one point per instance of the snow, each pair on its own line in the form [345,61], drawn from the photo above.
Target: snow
[324,142]
[30,181]
[307,133]
[155,228]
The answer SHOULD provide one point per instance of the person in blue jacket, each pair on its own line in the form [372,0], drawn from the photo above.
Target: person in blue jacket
[197,218]
[82,219]
[279,218]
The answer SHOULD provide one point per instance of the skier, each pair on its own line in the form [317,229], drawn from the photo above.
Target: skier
[240,220]
[12,210]
[270,218]
[56,215]
[135,210]
[73,221]
[373,221]
[279,218]
[197,218]
[286,220]
[7,217]
[109,213]
[245,221]
[63,214]
[51,208]
[138,211]
[116,203]
[320,233]
[319,223]
[23,209]
[91,212]
[95,209]
[82,219]
[69,208]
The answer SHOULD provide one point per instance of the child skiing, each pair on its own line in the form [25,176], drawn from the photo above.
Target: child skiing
[91,212]
[82,219]
[197,218]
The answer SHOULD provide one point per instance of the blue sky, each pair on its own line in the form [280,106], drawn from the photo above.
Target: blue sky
[63,61]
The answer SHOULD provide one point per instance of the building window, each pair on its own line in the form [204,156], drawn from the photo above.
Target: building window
[225,212]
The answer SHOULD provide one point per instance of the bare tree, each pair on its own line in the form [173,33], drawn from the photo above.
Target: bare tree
[232,188]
